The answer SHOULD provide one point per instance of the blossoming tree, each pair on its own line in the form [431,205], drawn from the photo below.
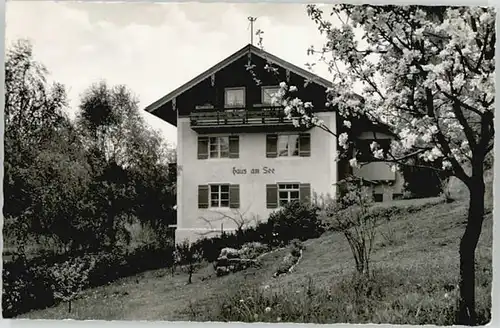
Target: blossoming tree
[426,73]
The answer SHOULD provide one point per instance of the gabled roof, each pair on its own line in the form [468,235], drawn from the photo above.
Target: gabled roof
[237,55]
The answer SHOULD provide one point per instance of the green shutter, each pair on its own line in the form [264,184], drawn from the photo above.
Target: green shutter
[203,196]
[272,196]
[234,146]
[305,145]
[234,196]
[271,145]
[202,147]
[305,192]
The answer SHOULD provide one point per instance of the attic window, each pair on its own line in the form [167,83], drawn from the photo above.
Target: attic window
[267,95]
[234,97]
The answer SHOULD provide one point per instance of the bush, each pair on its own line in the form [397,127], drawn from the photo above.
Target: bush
[295,221]
[291,258]
[252,250]
[297,247]
[24,288]
[70,278]
[351,215]
[30,284]
[233,260]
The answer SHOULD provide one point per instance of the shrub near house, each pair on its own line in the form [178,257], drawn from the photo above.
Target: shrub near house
[294,220]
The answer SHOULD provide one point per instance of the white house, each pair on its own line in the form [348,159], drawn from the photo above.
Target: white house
[239,157]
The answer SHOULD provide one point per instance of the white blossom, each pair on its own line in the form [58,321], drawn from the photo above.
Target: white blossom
[379,154]
[393,88]
[343,137]
[446,165]
[316,121]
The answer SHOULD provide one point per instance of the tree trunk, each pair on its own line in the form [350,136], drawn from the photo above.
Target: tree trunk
[468,243]
[69,306]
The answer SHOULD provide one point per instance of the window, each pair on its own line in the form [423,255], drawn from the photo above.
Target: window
[218,147]
[282,193]
[234,97]
[267,95]
[219,196]
[287,145]
[288,193]
[378,198]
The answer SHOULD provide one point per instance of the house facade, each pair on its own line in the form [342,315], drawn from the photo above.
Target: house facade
[239,158]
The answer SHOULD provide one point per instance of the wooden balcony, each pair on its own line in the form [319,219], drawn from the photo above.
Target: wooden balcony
[241,120]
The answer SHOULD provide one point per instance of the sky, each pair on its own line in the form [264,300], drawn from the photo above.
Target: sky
[153,48]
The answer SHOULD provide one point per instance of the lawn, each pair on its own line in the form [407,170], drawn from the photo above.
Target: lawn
[418,251]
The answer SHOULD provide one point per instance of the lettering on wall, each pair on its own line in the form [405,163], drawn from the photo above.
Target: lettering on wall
[264,170]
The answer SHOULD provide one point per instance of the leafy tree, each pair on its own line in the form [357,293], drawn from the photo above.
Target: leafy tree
[112,126]
[33,107]
[70,278]
[44,171]
[189,257]
[77,185]
[130,162]
[426,73]
[60,176]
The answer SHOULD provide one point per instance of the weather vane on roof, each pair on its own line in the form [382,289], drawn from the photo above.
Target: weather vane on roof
[252,20]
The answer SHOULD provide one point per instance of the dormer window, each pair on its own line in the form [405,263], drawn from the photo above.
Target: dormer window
[234,97]
[269,95]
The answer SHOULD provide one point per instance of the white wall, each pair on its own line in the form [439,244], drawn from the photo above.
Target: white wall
[319,170]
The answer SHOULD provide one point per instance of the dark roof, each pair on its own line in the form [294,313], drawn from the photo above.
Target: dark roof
[237,55]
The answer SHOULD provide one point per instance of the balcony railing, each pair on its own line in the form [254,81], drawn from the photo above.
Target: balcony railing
[231,118]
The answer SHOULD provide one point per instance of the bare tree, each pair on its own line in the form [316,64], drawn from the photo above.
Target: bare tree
[239,218]
[350,215]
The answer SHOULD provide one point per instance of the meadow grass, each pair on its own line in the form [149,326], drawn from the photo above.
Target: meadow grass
[414,281]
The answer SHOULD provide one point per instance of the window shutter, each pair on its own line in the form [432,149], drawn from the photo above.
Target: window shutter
[272,196]
[234,146]
[305,192]
[203,196]
[234,196]
[202,147]
[305,145]
[271,145]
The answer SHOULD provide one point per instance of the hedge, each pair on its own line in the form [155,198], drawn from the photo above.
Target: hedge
[28,285]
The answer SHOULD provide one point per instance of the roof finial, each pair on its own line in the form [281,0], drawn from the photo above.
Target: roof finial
[251,19]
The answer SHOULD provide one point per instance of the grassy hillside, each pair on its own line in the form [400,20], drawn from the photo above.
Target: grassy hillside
[415,261]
